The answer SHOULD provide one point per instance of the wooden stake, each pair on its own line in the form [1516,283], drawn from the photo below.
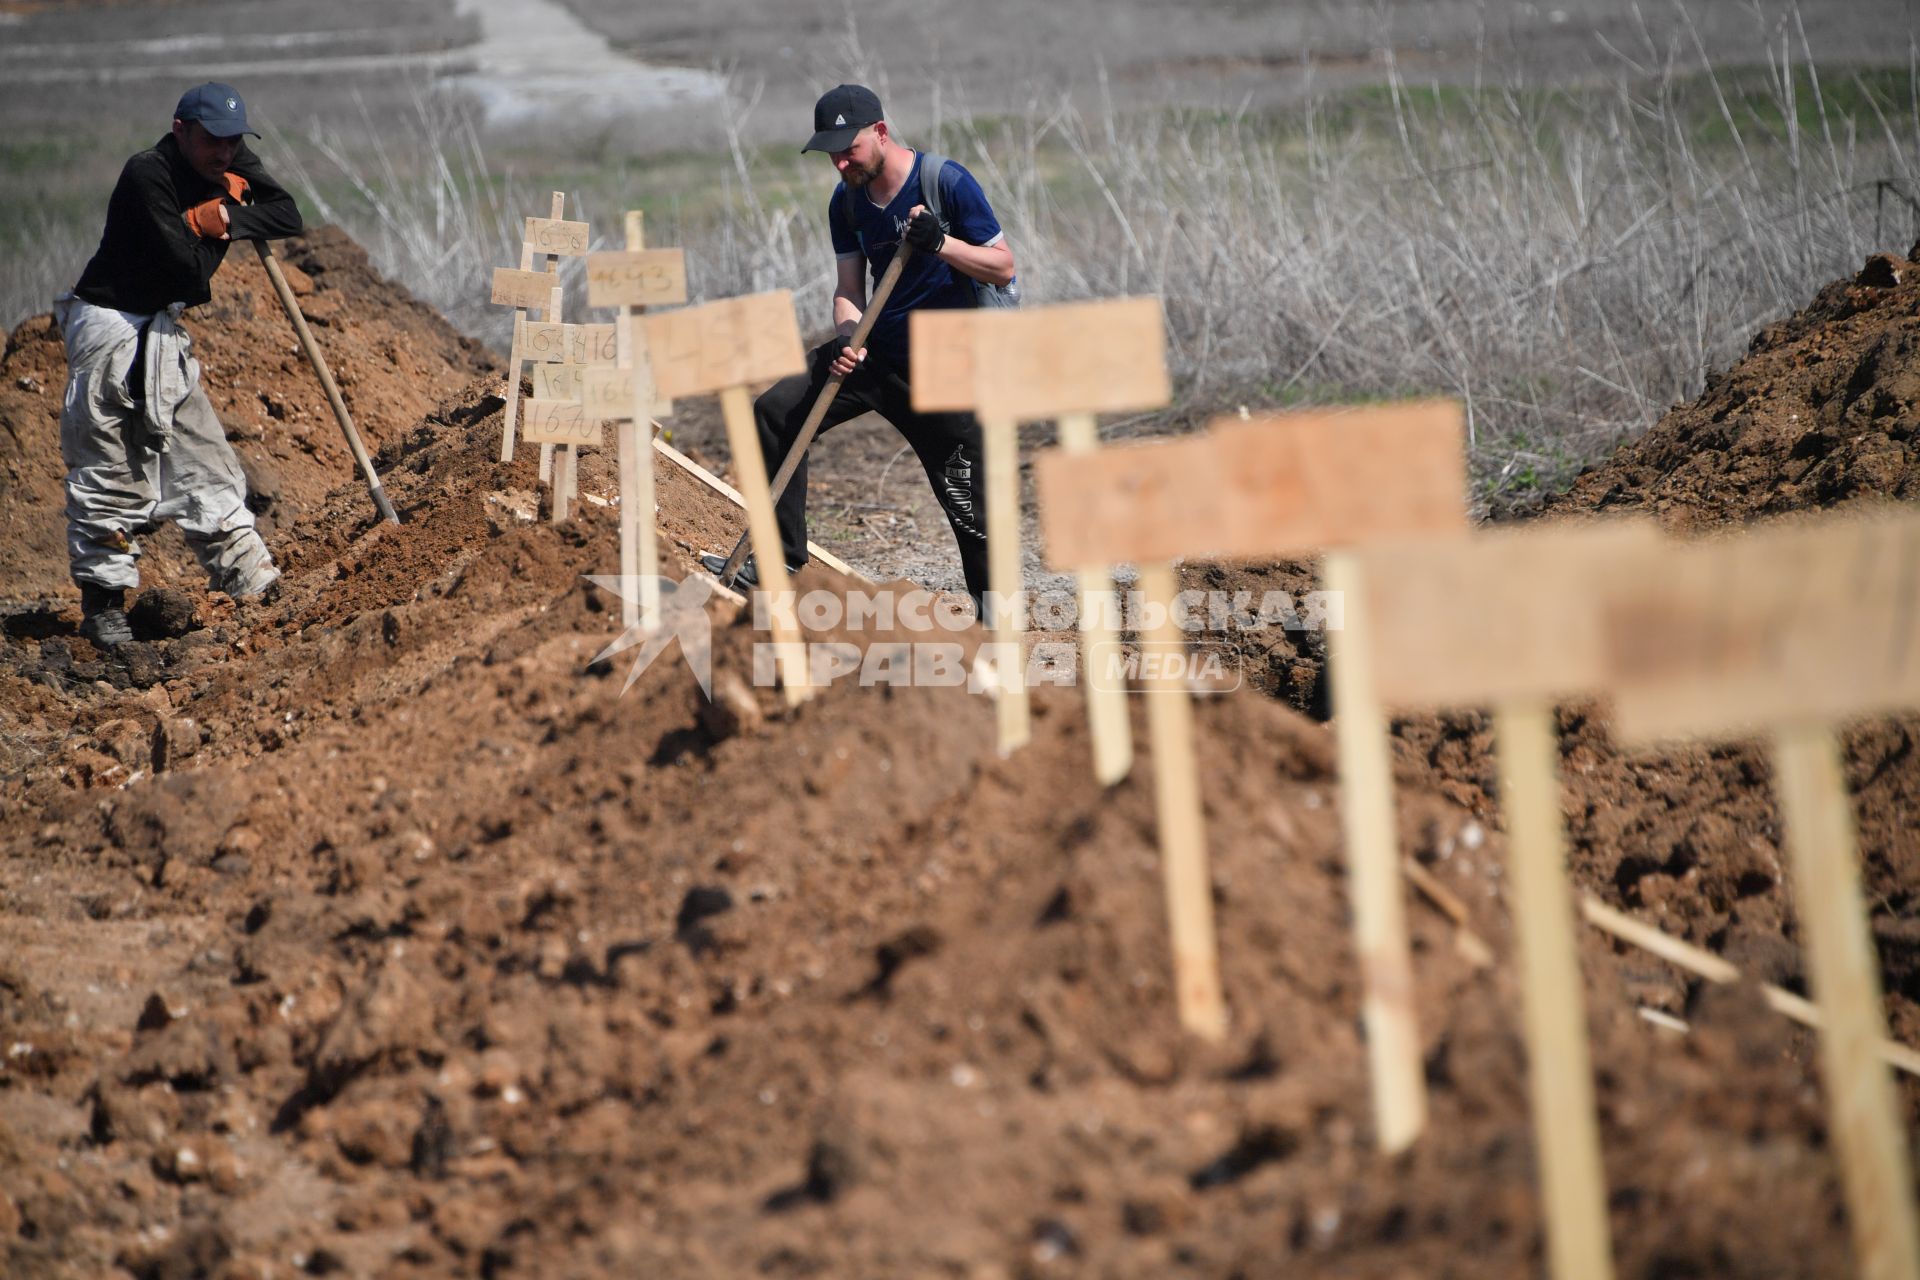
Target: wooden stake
[559,501]
[626,434]
[1245,488]
[1005,588]
[1107,720]
[1713,968]
[639,537]
[515,358]
[1183,842]
[1471,946]
[1373,862]
[1869,1131]
[1015,366]
[1560,1074]
[743,438]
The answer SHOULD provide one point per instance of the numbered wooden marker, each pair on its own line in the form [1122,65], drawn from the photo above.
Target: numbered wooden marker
[558,381]
[1270,486]
[570,344]
[521,288]
[1791,630]
[1066,362]
[637,278]
[560,422]
[527,288]
[612,393]
[1513,619]
[553,236]
[725,346]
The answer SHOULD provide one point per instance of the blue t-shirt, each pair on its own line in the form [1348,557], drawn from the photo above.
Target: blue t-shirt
[862,228]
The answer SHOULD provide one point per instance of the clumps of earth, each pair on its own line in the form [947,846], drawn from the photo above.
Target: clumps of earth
[385,930]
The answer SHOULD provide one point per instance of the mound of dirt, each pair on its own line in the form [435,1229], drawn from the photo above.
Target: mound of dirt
[393,356]
[385,931]
[1820,413]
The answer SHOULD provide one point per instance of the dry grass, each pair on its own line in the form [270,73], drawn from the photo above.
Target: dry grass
[1567,262]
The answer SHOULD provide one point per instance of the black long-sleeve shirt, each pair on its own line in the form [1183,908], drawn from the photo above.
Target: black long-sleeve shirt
[148,258]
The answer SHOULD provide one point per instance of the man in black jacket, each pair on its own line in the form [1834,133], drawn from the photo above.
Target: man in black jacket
[140,439]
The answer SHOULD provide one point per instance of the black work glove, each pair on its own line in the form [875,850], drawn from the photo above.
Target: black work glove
[924,232]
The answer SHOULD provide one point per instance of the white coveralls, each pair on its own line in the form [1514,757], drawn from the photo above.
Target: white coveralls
[129,467]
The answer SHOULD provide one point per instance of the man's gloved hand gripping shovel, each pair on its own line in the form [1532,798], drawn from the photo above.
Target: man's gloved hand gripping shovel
[819,411]
[327,384]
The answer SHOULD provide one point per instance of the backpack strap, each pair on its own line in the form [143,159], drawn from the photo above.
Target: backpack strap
[933,168]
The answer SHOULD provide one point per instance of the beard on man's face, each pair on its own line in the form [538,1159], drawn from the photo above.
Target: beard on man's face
[856,175]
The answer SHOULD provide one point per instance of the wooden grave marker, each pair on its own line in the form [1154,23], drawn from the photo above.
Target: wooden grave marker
[1265,487]
[725,346]
[526,289]
[560,354]
[1512,619]
[1065,362]
[625,393]
[1790,631]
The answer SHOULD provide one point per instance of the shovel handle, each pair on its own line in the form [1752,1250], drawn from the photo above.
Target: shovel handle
[817,414]
[327,384]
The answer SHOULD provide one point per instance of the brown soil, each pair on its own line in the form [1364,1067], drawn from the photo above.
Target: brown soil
[378,933]
[1822,412]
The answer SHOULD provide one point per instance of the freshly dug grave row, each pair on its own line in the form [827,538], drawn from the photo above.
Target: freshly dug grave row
[1820,414]
[473,967]
[380,934]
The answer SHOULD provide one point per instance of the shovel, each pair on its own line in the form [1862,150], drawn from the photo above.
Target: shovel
[818,413]
[327,384]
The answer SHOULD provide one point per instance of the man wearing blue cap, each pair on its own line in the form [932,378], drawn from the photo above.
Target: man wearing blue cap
[140,439]
[890,194]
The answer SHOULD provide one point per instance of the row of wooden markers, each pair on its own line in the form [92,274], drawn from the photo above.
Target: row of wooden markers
[1785,632]
[628,373]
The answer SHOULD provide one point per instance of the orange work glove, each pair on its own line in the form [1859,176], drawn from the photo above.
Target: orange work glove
[239,190]
[204,219]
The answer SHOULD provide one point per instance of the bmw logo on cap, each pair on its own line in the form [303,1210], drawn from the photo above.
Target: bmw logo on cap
[219,107]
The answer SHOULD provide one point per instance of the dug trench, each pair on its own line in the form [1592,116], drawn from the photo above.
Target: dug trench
[379,932]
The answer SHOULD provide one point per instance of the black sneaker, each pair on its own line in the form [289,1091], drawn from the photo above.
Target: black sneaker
[103,616]
[748,575]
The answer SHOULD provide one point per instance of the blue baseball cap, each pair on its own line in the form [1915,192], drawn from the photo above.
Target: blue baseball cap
[218,108]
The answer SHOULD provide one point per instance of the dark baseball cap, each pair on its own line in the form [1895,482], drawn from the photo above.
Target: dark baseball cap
[841,113]
[217,107]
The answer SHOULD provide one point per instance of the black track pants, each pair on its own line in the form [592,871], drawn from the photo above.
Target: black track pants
[947,444]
